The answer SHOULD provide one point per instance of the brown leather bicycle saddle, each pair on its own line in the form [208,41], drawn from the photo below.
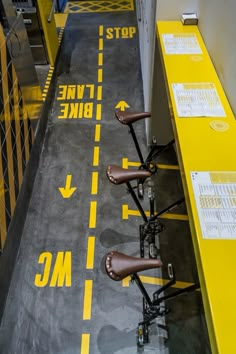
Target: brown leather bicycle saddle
[119,265]
[131,117]
[119,175]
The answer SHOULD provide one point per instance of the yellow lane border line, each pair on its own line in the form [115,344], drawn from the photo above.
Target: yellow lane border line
[85,343]
[156,281]
[100,59]
[126,163]
[96,151]
[100,74]
[93,215]
[126,212]
[51,69]
[47,82]
[99,93]
[99,111]
[97,134]
[94,184]
[88,294]
[90,252]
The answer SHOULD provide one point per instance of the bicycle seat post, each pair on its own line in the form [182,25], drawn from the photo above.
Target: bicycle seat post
[136,143]
[151,196]
[142,289]
[136,201]
[128,118]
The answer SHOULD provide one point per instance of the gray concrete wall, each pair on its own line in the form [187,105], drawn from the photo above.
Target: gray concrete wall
[146,16]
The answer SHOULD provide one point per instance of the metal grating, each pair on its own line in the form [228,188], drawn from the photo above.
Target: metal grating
[16,137]
[99,6]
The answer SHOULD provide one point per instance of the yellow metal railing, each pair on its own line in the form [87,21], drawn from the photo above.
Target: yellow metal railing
[16,138]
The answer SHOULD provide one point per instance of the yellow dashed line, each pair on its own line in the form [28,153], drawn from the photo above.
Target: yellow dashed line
[100,44]
[85,343]
[94,186]
[88,291]
[100,59]
[93,215]
[90,252]
[99,111]
[96,155]
[101,28]
[97,133]
[100,72]
[99,93]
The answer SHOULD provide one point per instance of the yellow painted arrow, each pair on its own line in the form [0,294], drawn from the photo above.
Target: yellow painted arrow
[122,105]
[67,191]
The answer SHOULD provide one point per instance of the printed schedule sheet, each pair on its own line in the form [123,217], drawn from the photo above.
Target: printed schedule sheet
[197,100]
[215,196]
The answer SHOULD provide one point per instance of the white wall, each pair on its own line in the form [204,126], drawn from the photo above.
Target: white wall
[171,10]
[217,26]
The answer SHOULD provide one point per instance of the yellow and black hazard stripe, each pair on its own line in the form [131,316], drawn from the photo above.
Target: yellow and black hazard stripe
[99,6]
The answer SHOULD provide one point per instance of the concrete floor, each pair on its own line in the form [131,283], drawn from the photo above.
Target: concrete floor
[48,311]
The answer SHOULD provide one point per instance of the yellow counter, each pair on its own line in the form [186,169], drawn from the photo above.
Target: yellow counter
[206,142]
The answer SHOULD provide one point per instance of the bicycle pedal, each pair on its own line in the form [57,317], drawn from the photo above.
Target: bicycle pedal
[158,228]
[142,335]
[153,251]
[154,140]
[171,272]
[140,190]
[163,311]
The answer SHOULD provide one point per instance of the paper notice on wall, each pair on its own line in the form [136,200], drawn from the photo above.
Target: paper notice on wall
[215,197]
[183,43]
[197,100]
